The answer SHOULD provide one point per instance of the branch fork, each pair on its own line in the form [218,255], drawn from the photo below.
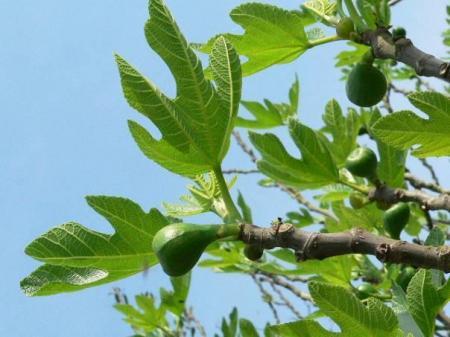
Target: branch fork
[404,51]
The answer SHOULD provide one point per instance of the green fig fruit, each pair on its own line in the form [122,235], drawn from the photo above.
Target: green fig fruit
[362,162]
[396,218]
[366,85]
[252,252]
[344,27]
[358,200]
[405,276]
[365,290]
[399,33]
[179,246]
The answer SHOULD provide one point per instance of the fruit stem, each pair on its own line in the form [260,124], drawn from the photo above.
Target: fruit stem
[229,231]
[323,40]
[233,213]
[356,187]
[368,57]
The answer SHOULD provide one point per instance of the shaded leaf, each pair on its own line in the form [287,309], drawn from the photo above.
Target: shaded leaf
[175,301]
[400,307]
[247,328]
[344,130]
[424,301]
[353,317]
[351,57]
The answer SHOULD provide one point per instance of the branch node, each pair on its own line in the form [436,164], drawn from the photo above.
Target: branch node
[444,258]
[382,252]
[300,255]
[357,236]
[444,69]
[399,194]
[303,253]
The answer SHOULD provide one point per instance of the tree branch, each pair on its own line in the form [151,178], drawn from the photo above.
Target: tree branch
[394,195]
[277,280]
[430,168]
[404,51]
[240,171]
[318,246]
[284,299]
[197,325]
[244,146]
[296,195]
[266,298]
[419,183]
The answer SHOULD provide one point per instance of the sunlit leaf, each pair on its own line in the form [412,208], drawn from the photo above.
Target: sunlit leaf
[315,169]
[77,257]
[196,125]
[405,129]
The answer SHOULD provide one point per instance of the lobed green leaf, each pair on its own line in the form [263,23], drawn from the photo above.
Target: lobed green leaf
[315,169]
[405,129]
[373,319]
[77,257]
[197,124]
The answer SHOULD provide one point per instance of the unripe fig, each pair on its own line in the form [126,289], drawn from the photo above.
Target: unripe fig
[362,162]
[405,276]
[365,290]
[396,218]
[366,85]
[179,246]
[252,252]
[398,33]
[344,27]
[358,200]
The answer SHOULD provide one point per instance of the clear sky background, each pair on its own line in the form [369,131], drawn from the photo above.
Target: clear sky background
[63,135]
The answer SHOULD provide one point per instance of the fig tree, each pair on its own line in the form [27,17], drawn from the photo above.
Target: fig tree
[366,85]
[179,246]
[396,218]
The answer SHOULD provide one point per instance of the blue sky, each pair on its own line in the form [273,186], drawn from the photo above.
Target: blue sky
[63,135]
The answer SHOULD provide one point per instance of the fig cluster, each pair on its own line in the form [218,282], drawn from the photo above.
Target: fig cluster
[362,162]
[366,85]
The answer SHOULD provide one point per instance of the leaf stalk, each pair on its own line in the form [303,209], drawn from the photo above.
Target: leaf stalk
[233,213]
